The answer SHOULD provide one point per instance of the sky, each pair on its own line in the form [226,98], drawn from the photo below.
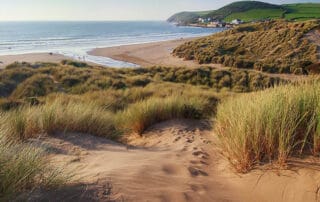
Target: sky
[104,10]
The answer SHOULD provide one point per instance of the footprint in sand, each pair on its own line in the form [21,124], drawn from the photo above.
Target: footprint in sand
[198,153]
[177,139]
[197,172]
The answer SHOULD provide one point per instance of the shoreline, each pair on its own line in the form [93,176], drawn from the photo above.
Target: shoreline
[147,54]
[141,54]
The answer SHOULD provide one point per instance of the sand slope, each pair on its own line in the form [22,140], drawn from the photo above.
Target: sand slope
[174,161]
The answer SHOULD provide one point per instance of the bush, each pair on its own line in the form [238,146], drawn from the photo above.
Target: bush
[37,85]
[74,63]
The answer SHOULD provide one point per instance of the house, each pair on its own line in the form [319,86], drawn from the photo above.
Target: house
[201,20]
[236,22]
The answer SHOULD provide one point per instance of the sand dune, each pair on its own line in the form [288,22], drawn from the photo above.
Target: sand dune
[174,161]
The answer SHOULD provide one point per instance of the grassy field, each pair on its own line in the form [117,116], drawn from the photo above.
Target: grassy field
[251,11]
[302,11]
[256,14]
[275,47]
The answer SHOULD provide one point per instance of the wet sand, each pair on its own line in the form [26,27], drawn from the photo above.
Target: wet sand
[147,54]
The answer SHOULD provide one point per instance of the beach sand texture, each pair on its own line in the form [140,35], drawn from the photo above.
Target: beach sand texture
[148,54]
[176,161]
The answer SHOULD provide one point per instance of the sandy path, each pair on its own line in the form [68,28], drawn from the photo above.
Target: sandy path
[173,161]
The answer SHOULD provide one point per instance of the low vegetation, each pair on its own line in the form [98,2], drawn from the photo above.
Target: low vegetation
[143,114]
[275,47]
[24,167]
[25,80]
[46,99]
[270,125]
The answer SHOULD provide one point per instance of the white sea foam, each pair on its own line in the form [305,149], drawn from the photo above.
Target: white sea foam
[75,39]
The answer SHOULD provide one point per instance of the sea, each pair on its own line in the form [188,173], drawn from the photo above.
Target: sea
[75,39]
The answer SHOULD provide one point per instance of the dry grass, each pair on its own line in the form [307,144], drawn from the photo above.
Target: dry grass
[23,167]
[141,115]
[270,125]
[58,116]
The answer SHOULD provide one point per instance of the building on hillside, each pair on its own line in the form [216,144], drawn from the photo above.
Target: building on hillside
[236,22]
[201,20]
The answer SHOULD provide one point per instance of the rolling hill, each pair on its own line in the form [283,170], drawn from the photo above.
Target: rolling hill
[274,47]
[251,11]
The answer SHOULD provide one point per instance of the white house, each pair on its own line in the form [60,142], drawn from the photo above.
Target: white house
[236,22]
[201,20]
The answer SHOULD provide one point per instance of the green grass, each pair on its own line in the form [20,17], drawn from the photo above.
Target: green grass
[302,11]
[22,81]
[270,125]
[253,10]
[58,116]
[23,167]
[141,115]
[256,14]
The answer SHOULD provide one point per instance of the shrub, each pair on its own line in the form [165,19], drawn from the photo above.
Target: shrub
[37,85]
[74,63]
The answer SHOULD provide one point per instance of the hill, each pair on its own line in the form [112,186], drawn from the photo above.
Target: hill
[252,10]
[275,47]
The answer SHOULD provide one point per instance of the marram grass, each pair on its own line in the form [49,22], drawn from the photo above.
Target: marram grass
[270,125]
[24,167]
[141,115]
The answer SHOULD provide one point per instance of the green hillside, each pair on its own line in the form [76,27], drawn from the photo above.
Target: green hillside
[302,11]
[275,47]
[252,10]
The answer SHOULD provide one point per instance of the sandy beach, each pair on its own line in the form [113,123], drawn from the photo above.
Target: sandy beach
[147,54]
[31,58]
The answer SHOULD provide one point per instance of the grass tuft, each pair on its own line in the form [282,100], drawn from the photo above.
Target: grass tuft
[141,115]
[270,125]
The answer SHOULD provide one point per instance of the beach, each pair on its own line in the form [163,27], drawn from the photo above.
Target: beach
[144,54]
[31,58]
[147,54]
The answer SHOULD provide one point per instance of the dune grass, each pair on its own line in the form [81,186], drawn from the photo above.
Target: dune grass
[58,116]
[274,47]
[270,125]
[141,115]
[24,167]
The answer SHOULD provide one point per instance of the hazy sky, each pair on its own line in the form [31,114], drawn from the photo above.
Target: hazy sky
[17,10]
